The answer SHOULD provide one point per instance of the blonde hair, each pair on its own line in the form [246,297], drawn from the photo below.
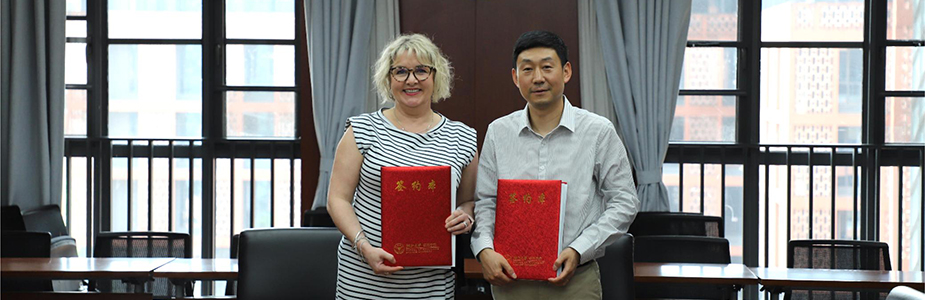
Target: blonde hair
[426,52]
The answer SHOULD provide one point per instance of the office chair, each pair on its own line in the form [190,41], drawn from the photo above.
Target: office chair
[905,293]
[25,244]
[45,218]
[318,217]
[232,285]
[288,263]
[836,254]
[142,244]
[617,269]
[682,249]
[11,218]
[670,223]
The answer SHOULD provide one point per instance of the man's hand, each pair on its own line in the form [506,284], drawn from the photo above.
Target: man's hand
[495,268]
[569,259]
[376,258]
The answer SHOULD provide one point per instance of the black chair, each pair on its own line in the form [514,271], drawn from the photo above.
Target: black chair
[617,269]
[671,223]
[288,263]
[837,254]
[46,218]
[12,218]
[318,217]
[25,244]
[142,244]
[683,249]
[232,285]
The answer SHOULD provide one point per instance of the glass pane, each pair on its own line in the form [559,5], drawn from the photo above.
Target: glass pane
[798,20]
[713,20]
[75,63]
[712,194]
[153,88]
[709,68]
[258,19]
[75,28]
[905,120]
[894,223]
[260,65]
[260,114]
[76,7]
[77,225]
[905,20]
[810,95]
[75,112]
[704,119]
[155,19]
[905,68]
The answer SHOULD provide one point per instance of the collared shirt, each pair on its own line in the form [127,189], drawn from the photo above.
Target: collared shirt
[584,151]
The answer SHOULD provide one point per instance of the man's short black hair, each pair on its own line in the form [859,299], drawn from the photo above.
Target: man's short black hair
[540,39]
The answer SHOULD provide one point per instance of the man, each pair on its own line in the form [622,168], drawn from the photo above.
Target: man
[552,140]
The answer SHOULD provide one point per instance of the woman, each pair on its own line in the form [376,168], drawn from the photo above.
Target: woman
[413,74]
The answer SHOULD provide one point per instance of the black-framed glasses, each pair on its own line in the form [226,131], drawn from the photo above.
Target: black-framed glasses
[420,73]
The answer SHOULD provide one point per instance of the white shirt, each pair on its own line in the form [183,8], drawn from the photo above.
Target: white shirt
[584,151]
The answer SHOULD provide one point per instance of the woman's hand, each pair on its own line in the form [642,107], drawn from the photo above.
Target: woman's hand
[459,222]
[376,258]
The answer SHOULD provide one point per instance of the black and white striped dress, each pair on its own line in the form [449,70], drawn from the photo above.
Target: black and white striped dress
[449,143]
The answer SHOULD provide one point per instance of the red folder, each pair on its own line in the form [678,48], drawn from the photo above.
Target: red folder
[528,225]
[415,204]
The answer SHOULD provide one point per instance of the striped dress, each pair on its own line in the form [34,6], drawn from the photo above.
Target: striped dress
[449,143]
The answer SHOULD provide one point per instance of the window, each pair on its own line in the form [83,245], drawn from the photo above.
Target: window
[167,108]
[814,113]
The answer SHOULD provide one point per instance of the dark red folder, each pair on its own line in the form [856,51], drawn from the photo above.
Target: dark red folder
[528,225]
[415,204]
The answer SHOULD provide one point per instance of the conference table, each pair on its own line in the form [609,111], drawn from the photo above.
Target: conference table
[779,280]
[183,270]
[133,269]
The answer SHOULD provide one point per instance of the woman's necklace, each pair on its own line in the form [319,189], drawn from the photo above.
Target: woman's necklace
[395,115]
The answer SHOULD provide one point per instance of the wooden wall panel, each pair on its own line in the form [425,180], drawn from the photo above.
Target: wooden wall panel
[479,37]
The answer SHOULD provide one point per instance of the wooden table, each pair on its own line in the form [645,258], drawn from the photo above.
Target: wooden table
[180,271]
[733,274]
[776,280]
[199,269]
[81,267]
[132,269]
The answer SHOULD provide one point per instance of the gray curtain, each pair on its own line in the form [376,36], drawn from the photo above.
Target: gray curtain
[385,29]
[595,94]
[643,43]
[338,61]
[32,94]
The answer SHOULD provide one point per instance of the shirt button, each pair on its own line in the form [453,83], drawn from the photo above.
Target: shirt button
[542,167]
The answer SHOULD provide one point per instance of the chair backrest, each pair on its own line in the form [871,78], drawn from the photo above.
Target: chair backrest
[837,254]
[25,244]
[288,263]
[905,293]
[318,217]
[682,249]
[671,223]
[617,269]
[232,285]
[142,244]
[12,218]
[46,218]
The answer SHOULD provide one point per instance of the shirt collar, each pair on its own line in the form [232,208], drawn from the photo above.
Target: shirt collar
[567,120]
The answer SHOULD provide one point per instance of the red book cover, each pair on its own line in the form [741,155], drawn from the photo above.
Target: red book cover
[415,204]
[528,225]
